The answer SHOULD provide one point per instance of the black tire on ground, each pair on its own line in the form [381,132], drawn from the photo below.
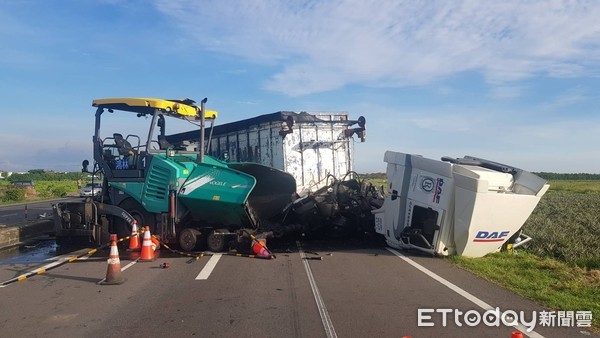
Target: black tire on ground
[137,211]
[215,242]
[189,239]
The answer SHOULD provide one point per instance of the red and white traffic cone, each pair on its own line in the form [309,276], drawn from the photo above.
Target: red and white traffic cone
[260,249]
[134,241]
[113,272]
[147,254]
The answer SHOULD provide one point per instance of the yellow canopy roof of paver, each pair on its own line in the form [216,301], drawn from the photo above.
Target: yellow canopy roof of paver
[174,108]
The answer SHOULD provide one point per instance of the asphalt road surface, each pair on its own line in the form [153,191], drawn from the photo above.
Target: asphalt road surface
[354,290]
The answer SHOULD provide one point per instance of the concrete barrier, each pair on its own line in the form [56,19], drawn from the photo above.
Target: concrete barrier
[15,234]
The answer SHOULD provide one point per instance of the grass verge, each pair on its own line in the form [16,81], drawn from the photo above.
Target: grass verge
[546,281]
[43,190]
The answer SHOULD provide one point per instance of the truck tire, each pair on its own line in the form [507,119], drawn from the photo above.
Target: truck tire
[137,211]
[216,242]
[189,239]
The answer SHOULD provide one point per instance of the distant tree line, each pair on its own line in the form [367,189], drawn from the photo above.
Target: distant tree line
[579,176]
[373,176]
[42,175]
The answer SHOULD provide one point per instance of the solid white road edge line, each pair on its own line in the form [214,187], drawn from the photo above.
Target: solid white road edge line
[209,267]
[122,269]
[460,291]
[327,324]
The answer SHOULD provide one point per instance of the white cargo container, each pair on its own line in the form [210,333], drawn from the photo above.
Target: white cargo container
[310,146]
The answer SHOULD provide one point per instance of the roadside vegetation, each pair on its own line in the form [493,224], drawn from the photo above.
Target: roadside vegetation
[379,180]
[566,226]
[548,281]
[45,185]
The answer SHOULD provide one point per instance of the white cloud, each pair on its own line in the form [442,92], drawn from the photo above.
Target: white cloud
[564,100]
[506,92]
[444,123]
[324,45]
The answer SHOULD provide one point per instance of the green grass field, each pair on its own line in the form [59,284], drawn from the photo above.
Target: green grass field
[378,182]
[566,226]
[43,190]
[571,186]
[547,281]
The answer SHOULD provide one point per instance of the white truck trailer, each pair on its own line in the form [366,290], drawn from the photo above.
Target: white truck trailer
[466,206]
[309,146]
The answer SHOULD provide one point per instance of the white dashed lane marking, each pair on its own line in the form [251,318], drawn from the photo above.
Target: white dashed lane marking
[209,267]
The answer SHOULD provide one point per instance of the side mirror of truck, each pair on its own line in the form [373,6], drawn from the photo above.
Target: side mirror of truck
[394,195]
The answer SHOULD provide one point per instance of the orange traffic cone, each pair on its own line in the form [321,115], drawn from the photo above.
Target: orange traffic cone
[260,249]
[516,334]
[113,272]
[134,241]
[147,254]
[155,243]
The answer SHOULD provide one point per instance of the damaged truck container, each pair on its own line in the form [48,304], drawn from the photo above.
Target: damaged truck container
[309,146]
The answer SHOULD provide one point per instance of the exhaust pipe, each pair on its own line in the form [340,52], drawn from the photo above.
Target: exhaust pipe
[202,105]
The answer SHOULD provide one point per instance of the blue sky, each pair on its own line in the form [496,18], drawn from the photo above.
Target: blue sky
[512,81]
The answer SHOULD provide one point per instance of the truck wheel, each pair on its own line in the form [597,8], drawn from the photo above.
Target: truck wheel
[216,242]
[140,214]
[188,239]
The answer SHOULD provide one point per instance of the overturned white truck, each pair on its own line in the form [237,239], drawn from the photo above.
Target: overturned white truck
[464,206]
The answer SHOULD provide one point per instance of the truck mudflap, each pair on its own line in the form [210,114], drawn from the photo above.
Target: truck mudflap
[273,190]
